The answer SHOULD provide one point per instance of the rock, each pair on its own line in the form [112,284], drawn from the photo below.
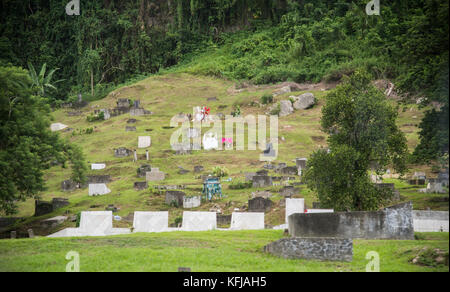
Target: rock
[304,101]
[283,90]
[285,108]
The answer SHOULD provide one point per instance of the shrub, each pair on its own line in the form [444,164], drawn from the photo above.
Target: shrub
[267,98]
[220,171]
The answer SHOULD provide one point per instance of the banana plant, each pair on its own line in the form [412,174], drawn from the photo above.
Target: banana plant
[41,82]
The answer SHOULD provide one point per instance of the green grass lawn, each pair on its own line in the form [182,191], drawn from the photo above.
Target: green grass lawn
[216,251]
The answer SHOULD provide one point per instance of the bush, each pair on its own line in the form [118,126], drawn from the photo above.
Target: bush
[220,171]
[240,185]
[267,98]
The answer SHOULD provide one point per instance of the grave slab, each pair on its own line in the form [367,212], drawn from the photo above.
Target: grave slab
[151,221]
[247,221]
[199,221]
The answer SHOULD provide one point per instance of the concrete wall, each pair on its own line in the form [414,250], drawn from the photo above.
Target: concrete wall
[430,221]
[395,222]
[247,221]
[151,221]
[327,249]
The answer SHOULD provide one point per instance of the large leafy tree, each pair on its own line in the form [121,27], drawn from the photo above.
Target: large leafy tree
[363,134]
[27,146]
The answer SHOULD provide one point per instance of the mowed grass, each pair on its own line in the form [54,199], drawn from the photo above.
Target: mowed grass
[227,251]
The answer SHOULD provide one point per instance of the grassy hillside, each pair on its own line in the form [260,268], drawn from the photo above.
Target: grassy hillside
[216,251]
[170,94]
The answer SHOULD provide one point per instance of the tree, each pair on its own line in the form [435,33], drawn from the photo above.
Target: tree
[27,146]
[363,134]
[41,82]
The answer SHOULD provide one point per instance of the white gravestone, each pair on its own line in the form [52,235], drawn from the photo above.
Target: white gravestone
[199,221]
[210,141]
[192,202]
[57,127]
[96,166]
[151,221]
[247,221]
[144,141]
[98,189]
[294,206]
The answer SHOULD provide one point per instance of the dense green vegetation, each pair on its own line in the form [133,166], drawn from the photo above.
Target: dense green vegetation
[27,147]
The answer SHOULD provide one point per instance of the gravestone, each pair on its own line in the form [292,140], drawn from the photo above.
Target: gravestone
[249,176]
[30,233]
[181,170]
[143,169]
[68,185]
[175,198]
[247,221]
[324,249]
[155,175]
[262,194]
[123,103]
[106,114]
[139,186]
[199,221]
[57,127]
[210,141]
[122,152]
[192,202]
[144,141]
[289,170]
[270,151]
[301,164]
[294,206]
[130,129]
[98,189]
[259,204]
[151,221]
[131,121]
[198,168]
[262,172]
[42,208]
[59,203]
[261,181]
[289,191]
[13,234]
[97,166]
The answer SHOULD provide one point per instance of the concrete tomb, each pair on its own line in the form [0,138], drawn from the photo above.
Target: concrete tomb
[301,164]
[151,221]
[122,152]
[98,189]
[294,206]
[325,249]
[93,223]
[199,221]
[99,179]
[144,141]
[143,169]
[44,207]
[394,222]
[247,221]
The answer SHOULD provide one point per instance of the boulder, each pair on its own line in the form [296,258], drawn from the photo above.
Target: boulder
[304,101]
[285,108]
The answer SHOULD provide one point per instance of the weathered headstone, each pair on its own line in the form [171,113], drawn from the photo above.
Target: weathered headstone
[97,166]
[139,186]
[289,191]
[155,175]
[198,168]
[175,198]
[122,152]
[259,204]
[192,202]
[261,181]
[143,169]
[13,234]
[30,233]
[42,208]
[144,141]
